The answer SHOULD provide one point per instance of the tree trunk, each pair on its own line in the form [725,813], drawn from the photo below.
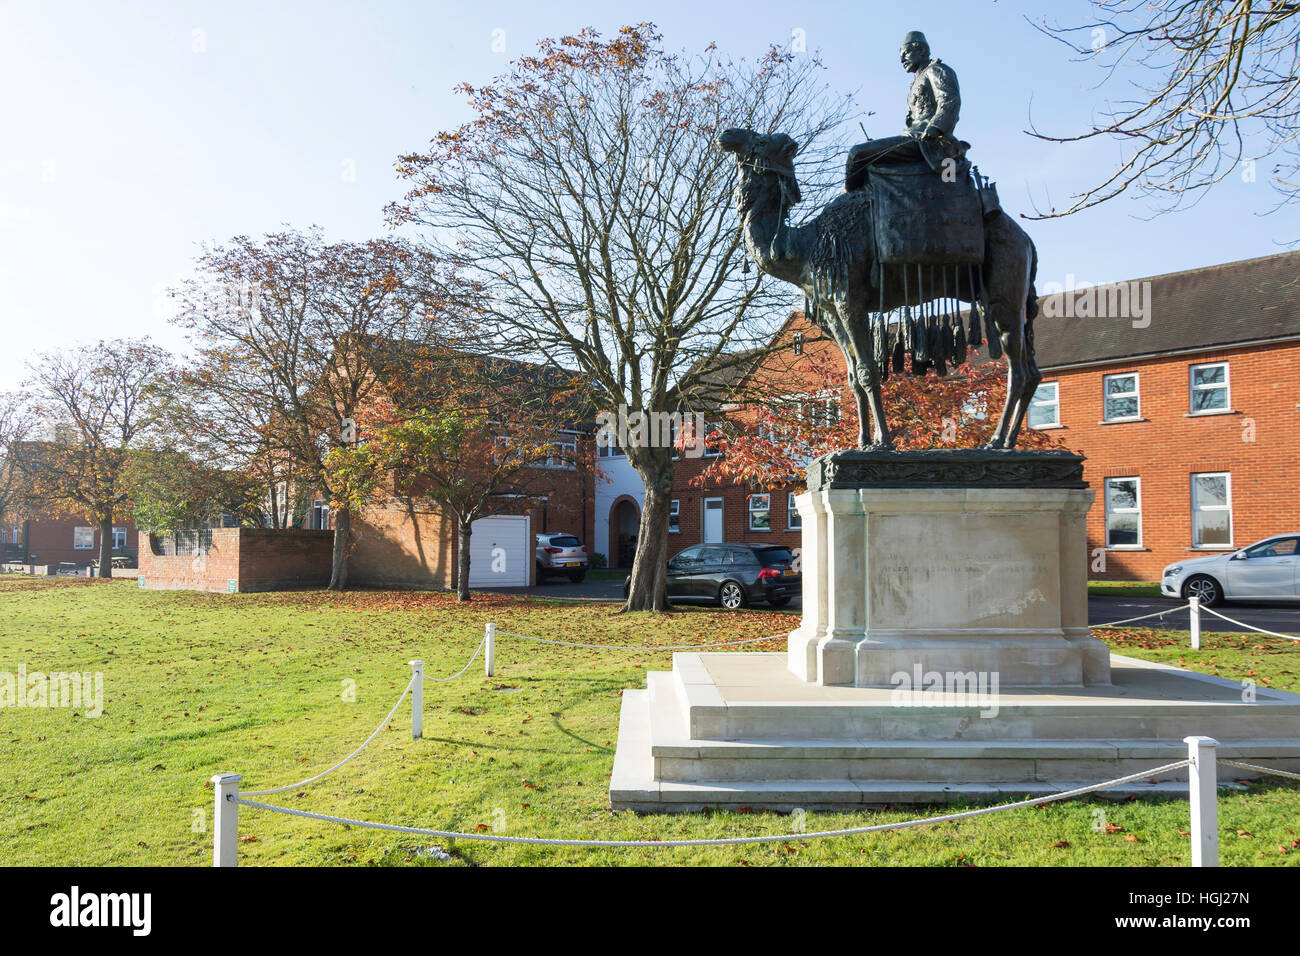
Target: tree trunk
[106,546]
[339,569]
[462,562]
[649,588]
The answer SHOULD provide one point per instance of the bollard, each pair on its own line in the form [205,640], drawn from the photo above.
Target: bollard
[1202,781]
[225,820]
[490,650]
[1194,605]
[417,699]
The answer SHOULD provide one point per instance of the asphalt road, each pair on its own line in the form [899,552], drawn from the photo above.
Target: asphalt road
[1283,618]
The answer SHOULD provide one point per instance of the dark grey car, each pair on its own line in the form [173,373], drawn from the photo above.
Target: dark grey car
[733,575]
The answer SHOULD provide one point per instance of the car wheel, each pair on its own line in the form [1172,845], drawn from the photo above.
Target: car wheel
[731,596]
[1204,587]
[779,602]
[578,577]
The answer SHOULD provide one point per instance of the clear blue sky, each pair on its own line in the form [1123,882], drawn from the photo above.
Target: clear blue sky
[134,131]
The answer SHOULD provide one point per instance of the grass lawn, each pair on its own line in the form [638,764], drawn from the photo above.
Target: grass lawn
[255,684]
[1133,589]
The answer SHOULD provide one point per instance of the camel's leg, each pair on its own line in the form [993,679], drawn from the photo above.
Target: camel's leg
[869,385]
[1032,378]
[1007,268]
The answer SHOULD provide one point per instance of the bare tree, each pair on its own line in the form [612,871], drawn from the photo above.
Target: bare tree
[93,404]
[284,330]
[589,206]
[16,423]
[1223,82]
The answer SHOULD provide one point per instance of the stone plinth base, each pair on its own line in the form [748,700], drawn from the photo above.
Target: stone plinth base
[739,729]
[946,561]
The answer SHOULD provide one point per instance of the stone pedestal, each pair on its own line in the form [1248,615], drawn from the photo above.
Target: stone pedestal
[946,561]
[970,566]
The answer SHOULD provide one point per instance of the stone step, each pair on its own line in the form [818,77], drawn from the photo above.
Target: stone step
[829,747]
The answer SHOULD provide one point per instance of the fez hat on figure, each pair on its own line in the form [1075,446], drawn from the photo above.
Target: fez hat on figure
[916,36]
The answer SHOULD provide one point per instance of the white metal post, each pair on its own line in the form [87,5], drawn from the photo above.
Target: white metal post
[490,650]
[225,820]
[1204,798]
[1194,605]
[417,699]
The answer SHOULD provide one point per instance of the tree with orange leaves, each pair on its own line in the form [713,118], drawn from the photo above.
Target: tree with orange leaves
[475,436]
[770,443]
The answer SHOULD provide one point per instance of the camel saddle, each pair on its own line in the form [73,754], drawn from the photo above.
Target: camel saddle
[925,218]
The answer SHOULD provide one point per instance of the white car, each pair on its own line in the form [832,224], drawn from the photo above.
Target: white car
[1266,571]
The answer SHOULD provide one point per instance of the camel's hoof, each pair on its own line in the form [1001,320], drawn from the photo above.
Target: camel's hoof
[877,446]
[995,445]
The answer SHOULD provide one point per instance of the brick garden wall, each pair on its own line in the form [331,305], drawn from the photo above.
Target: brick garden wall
[396,543]
[256,559]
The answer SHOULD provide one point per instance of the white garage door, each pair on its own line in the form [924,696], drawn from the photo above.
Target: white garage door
[499,552]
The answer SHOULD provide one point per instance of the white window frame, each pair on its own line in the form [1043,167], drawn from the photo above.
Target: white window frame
[1106,396]
[119,533]
[1054,404]
[1136,510]
[751,510]
[793,520]
[709,429]
[77,538]
[563,447]
[1227,477]
[1193,388]
[320,514]
[675,516]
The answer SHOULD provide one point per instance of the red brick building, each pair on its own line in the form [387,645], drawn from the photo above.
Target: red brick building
[726,511]
[1178,389]
[52,541]
[1185,406]
[401,541]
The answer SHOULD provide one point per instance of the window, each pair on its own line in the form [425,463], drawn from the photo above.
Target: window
[1277,548]
[1045,408]
[610,450]
[711,448]
[821,412]
[1209,388]
[688,559]
[1212,510]
[798,343]
[119,539]
[1120,398]
[795,522]
[674,516]
[320,515]
[83,539]
[563,454]
[760,512]
[1123,512]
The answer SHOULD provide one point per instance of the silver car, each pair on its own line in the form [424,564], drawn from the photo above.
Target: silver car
[1268,570]
[560,554]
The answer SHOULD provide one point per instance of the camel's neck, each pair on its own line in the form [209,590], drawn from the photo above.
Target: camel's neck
[768,237]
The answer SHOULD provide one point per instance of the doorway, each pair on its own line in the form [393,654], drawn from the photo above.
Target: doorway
[712,520]
[624,522]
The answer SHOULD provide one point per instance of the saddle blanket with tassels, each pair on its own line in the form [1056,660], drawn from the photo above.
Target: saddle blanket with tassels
[922,216]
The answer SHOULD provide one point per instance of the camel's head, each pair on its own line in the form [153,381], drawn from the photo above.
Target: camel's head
[765,156]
